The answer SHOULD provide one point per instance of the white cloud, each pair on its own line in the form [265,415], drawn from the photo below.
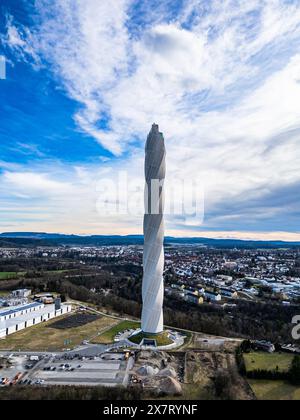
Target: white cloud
[86,45]
[34,183]
[20,41]
[178,55]
[221,78]
[160,75]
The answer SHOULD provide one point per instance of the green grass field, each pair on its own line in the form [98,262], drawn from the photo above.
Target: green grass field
[6,275]
[161,339]
[267,361]
[108,336]
[44,338]
[267,389]
[274,390]
[9,275]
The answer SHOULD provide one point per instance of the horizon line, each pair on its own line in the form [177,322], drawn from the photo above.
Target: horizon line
[228,238]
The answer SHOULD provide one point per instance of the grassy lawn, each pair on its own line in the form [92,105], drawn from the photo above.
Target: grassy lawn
[44,337]
[8,275]
[108,336]
[268,361]
[274,390]
[161,339]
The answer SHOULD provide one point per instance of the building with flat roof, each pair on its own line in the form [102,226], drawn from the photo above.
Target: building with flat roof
[16,311]
[16,319]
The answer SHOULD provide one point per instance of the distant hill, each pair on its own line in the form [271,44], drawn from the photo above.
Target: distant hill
[22,242]
[53,239]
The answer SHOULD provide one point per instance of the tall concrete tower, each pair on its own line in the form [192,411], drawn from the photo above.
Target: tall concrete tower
[153,260]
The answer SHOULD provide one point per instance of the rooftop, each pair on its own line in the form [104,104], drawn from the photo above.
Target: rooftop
[11,311]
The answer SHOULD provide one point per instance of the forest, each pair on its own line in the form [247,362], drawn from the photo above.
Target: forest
[118,288]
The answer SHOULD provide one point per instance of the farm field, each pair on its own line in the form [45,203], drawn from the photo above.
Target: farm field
[10,275]
[67,331]
[274,390]
[267,361]
[108,336]
[7,275]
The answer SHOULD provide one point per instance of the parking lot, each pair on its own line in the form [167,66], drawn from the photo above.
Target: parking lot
[11,369]
[108,370]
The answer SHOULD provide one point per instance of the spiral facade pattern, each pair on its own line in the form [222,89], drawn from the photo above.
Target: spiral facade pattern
[153,259]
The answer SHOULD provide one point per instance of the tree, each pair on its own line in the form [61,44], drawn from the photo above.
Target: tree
[63,298]
[294,372]
[223,385]
[246,346]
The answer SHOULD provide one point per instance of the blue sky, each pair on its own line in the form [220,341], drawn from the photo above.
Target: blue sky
[86,79]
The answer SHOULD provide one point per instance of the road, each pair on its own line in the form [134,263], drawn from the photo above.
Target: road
[96,311]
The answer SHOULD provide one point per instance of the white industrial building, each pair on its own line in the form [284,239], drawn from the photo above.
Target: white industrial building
[21,293]
[20,317]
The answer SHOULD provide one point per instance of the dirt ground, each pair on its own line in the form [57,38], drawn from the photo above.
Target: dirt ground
[159,372]
[198,372]
[203,367]
[74,321]
[213,343]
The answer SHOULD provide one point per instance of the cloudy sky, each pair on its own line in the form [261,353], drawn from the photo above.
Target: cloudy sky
[85,79]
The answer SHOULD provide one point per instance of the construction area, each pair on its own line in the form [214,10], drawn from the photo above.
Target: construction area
[205,367]
[159,372]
